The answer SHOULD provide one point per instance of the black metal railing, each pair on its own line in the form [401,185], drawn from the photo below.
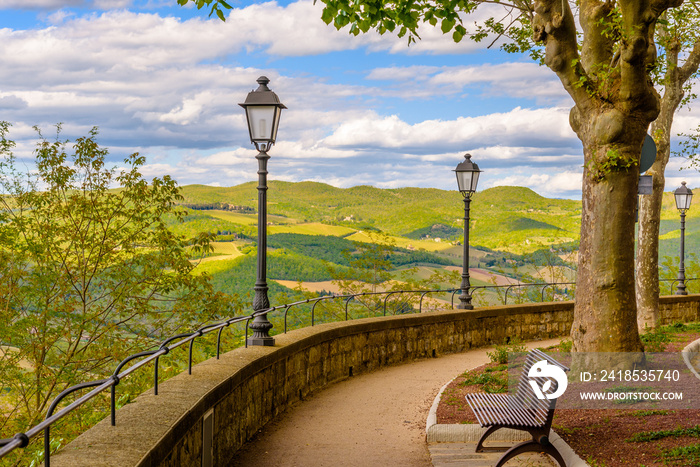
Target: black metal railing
[21,440]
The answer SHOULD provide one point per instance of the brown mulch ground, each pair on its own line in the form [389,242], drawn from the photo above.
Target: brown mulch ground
[600,436]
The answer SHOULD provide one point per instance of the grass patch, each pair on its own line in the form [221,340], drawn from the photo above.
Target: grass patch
[648,413]
[656,340]
[500,353]
[492,380]
[647,436]
[684,455]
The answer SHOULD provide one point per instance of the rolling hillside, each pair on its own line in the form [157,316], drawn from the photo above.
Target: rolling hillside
[310,223]
[513,219]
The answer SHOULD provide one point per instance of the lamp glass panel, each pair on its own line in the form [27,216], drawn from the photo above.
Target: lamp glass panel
[261,119]
[278,112]
[683,201]
[680,202]
[466,180]
[463,180]
[475,180]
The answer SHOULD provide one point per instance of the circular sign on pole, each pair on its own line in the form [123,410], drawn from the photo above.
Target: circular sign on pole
[648,154]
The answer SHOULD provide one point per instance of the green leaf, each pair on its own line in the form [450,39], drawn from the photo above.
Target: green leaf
[220,14]
[457,36]
[447,25]
[327,15]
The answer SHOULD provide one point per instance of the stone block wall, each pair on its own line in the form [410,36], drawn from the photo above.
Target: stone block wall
[679,309]
[248,387]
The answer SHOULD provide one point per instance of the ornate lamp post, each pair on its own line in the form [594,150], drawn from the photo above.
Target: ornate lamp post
[683,198]
[467,178]
[262,109]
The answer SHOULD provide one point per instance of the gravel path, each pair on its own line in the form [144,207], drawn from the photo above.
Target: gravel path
[372,419]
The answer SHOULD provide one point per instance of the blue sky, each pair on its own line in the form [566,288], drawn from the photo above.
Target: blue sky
[165,81]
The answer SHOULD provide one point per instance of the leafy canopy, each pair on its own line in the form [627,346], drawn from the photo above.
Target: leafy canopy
[89,272]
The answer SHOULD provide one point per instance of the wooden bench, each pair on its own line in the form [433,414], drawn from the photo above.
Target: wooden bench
[522,411]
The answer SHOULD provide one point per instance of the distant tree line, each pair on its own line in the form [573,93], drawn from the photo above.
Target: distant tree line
[436,231]
[220,207]
[541,257]
[340,250]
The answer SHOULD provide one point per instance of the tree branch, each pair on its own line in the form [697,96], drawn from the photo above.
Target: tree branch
[691,63]
[554,26]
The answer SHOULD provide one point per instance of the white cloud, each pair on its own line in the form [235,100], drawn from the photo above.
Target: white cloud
[39,4]
[552,184]
[59,4]
[548,127]
[169,89]
[511,79]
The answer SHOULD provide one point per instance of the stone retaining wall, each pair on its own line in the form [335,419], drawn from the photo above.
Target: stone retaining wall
[679,309]
[246,388]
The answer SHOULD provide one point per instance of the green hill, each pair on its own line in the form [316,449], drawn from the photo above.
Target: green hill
[410,212]
[513,219]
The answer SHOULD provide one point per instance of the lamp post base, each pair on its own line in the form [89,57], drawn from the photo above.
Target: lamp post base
[264,341]
[261,327]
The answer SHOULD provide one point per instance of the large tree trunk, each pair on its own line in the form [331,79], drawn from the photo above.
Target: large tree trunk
[605,306]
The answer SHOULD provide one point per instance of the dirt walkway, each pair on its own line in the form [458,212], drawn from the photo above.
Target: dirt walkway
[373,419]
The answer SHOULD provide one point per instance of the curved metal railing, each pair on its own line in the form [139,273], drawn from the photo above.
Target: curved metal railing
[21,440]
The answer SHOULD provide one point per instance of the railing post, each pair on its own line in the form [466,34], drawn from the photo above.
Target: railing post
[346,305]
[286,310]
[420,304]
[313,309]
[218,341]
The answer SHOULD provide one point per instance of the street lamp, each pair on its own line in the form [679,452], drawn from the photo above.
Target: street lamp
[262,110]
[467,178]
[683,198]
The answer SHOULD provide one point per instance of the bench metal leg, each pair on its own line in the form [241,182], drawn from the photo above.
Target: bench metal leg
[480,445]
[531,446]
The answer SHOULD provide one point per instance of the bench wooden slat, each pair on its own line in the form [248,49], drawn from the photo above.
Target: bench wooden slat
[493,409]
[520,415]
[522,411]
[525,417]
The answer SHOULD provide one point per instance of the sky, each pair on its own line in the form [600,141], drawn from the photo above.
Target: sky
[165,81]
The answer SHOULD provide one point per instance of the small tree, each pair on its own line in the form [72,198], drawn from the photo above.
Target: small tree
[679,56]
[88,274]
